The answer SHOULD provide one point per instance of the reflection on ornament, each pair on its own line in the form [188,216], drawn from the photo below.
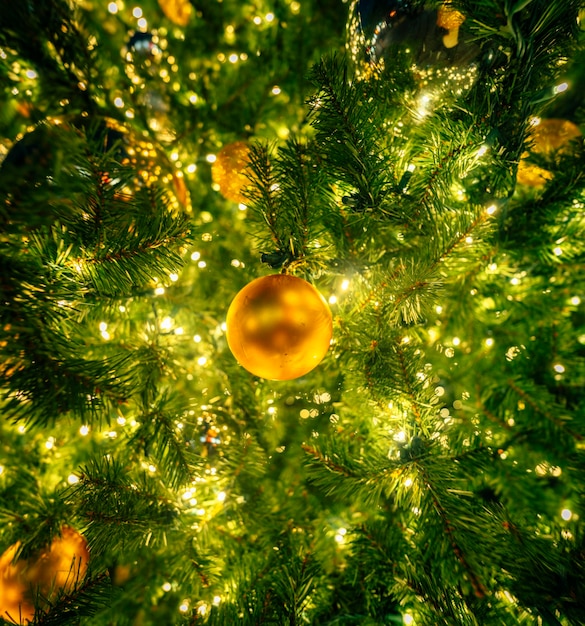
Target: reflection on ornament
[279,327]
[547,137]
[178,11]
[210,439]
[228,171]
[142,48]
[43,576]
[44,154]
[387,33]
[450,20]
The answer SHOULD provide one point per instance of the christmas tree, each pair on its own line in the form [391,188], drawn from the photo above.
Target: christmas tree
[292,321]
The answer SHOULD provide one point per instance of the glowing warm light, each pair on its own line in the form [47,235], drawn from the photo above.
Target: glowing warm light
[482,150]
[201,360]
[566,514]
[408,619]
[195,256]
[560,88]
[197,338]
[257,20]
[489,342]
[345,285]
[121,420]
[84,430]
[576,300]
[269,17]
[137,12]
[159,291]
[72,479]
[408,482]
[333,299]
[166,587]
[174,277]
[558,251]
[456,341]
[184,607]
[211,158]
[118,102]
[491,209]
[50,443]
[559,368]
[152,469]
[216,600]
[468,239]
[202,264]
[142,23]
[276,90]
[221,496]
[167,323]
[191,168]
[113,7]
[233,58]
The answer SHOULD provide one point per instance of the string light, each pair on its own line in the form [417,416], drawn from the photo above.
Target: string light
[566,514]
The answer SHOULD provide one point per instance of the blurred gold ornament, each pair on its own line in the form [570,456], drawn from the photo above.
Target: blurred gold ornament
[44,575]
[178,11]
[45,152]
[279,327]
[547,138]
[228,171]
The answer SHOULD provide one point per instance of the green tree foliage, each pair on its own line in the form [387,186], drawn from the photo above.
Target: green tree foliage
[430,470]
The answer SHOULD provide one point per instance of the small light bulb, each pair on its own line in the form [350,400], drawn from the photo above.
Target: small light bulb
[566,514]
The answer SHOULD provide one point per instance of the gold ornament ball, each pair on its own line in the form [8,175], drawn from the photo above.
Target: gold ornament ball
[547,137]
[56,568]
[178,11]
[279,327]
[228,171]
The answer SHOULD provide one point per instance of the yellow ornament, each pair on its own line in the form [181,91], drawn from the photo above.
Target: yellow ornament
[547,137]
[228,171]
[54,569]
[178,11]
[279,327]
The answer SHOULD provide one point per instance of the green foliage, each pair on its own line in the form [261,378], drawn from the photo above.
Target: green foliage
[430,469]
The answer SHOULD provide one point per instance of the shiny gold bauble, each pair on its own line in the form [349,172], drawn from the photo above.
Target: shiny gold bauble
[229,171]
[279,327]
[44,575]
[547,137]
[178,11]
